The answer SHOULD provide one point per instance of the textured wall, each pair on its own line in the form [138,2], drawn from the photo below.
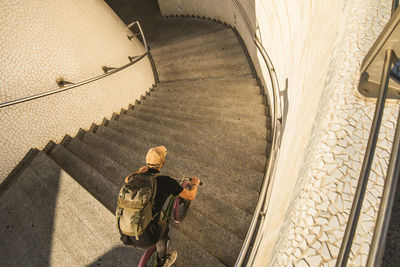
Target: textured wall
[68,39]
[317,46]
[313,229]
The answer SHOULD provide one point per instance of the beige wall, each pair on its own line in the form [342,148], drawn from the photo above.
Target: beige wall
[318,46]
[73,40]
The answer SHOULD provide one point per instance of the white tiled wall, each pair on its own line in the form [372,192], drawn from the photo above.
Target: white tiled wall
[40,42]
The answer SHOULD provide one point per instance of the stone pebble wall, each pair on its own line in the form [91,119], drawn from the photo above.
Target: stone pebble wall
[40,42]
[314,228]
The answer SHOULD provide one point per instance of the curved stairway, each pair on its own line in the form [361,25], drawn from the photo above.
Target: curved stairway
[209,113]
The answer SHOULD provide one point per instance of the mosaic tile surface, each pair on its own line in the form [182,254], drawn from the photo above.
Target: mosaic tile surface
[73,40]
[318,216]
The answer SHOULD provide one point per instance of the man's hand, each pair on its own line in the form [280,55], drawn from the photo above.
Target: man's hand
[195,181]
[191,194]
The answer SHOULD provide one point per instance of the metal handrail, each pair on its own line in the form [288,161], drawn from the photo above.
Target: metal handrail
[276,120]
[366,166]
[24,99]
[395,5]
[141,33]
[108,72]
[387,44]
[389,191]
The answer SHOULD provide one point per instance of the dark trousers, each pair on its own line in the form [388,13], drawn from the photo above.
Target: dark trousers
[161,243]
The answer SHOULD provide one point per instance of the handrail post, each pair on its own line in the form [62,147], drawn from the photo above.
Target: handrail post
[366,167]
[395,5]
[389,191]
[141,33]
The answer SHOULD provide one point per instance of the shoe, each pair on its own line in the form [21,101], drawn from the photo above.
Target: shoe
[171,258]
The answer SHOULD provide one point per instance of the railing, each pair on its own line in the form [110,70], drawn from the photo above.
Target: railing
[395,5]
[384,49]
[276,115]
[70,85]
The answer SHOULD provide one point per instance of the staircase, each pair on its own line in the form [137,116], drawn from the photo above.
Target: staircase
[209,113]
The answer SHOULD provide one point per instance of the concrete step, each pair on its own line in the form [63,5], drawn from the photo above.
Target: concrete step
[224,40]
[226,104]
[232,112]
[27,231]
[211,101]
[211,71]
[234,105]
[127,158]
[239,154]
[108,168]
[252,179]
[175,36]
[101,223]
[233,83]
[189,252]
[191,160]
[215,87]
[91,214]
[211,114]
[220,243]
[80,230]
[174,30]
[209,195]
[197,39]
[258,125]
[217,62]
[120,153]
[248,197]
[209,91]
[232,54]
[186,142]
[154,114]
[177,24]
[179,121]
[100,187]
[240,141]
[143,143]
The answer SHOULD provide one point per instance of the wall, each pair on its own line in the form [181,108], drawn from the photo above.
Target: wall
[68,39]
[318,47]
[313,229]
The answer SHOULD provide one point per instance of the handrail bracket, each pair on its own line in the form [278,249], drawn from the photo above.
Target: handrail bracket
[62,83]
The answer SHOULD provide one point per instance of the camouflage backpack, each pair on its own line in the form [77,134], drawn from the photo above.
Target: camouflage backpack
[135,203]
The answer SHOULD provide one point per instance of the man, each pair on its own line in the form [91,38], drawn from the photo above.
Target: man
[157,230]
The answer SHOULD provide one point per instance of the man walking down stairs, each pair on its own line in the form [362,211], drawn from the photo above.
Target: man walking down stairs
[211,115]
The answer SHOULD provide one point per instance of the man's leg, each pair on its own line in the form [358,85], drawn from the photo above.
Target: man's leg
[163,241]
[164,259]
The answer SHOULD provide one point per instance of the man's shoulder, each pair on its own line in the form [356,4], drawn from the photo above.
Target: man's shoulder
[164,177]
[167,181]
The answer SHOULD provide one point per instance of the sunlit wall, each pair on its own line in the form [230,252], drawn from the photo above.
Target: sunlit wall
[40,43]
